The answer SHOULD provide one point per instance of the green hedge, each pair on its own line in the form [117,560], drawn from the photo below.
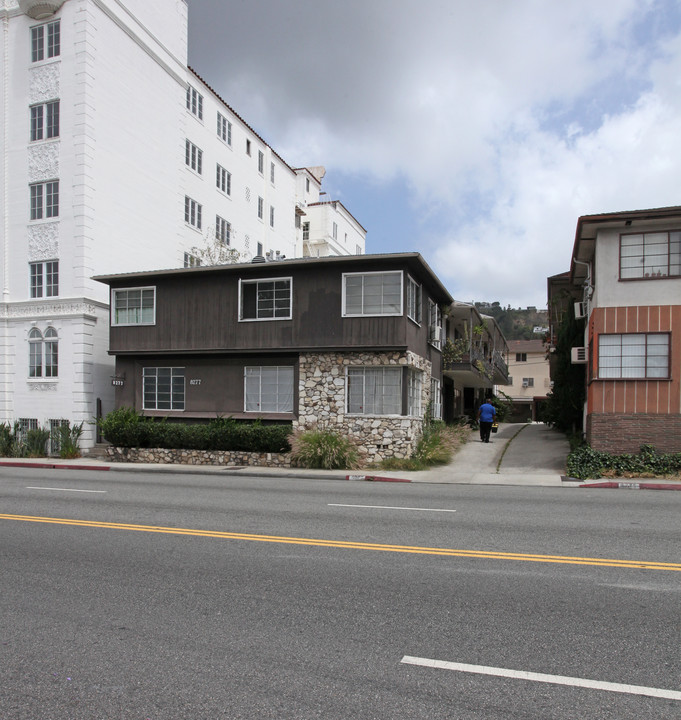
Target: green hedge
[126,428]
[585,462]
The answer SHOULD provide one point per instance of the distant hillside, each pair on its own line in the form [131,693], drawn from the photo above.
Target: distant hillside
[517,323]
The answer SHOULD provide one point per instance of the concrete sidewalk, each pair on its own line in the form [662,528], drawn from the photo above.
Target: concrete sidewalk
[519,454]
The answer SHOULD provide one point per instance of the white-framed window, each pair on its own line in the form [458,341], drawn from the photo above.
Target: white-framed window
[223,180]
[223,230]
[191,261]
[271,216]
[133,306]
[650,255]
[26,424]
[44,200]
[261,208]
[261,162]
[372,293]
[224,129]
[358,249]
[259,249]
[374,390]
[43,353]
[334,231]
[192,212]
[414,392]
[633,355]
[248,147]
[434,324]
[163,388]
[269,299]
[44,279]
[435,399]
[195,102]
[45,41]
[307,185]
[414,302]
[272,173]
[55,434]
[45,121]
[528,382]
[193,157]
[306,230]
[268,388]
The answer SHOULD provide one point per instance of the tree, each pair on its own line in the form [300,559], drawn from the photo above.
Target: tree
[215,251]
[564,407]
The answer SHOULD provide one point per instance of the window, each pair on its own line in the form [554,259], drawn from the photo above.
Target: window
[45,121]
[224,129]
[223,180]
[26,424]
[377,293]
[261,162]
[521,357]
[334,231]
[268,389]
[163,388]
[413,300]
[55,434]
[650,255]
[435,399]
[261,207]
[43,353]
[193,157]
[44,279]
[413,393]
[195,102]
[306,230]
[223,230]
[248,147]
[45,41]
[307,184]
[272,173]
[374,390]
[191,260]
[259,249]
[45,200]
[271,216]
[358,250]
[192,212]
[134,306]
[434,324]
[634,355]
[528,382]
[265,299]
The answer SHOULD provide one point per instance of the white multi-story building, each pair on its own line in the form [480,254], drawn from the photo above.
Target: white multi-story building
[118,157]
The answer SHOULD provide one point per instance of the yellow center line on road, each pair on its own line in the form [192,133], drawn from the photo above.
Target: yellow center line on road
[348,545]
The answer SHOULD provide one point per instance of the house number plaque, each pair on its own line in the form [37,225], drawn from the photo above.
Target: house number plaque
[195,381]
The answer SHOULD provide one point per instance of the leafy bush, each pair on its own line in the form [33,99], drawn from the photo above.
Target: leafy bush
[585,462]
[436,446]
[36,442]
[125,427]
[323,449]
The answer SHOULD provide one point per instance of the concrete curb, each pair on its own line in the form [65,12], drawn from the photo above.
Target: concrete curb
[631,485]
[376,478]
[53,466]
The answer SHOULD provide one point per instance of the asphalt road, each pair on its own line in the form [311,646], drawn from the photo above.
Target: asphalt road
[188,596]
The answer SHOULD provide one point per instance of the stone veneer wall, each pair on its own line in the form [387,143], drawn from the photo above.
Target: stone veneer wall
[198,457]
[322,389]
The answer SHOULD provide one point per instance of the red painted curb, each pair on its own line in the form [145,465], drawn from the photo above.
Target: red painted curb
[53,466]
[375,478]
[633,486]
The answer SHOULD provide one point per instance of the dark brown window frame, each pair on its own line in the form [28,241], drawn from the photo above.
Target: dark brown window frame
[649,276]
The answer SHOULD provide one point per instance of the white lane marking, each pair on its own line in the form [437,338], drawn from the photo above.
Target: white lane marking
[388,507]
[540,677]
[66,489]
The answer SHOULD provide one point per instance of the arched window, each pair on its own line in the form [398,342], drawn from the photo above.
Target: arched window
[35,345]
[51,352]
[43,353]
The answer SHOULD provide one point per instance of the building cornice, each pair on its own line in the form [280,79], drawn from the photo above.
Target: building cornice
[53,308]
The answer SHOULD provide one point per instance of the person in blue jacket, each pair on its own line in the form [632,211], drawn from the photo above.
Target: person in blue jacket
[486,415]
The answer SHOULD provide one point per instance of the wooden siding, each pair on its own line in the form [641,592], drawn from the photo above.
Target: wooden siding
[198,312]
[636,396]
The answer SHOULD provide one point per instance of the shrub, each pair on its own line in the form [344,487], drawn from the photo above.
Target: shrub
[68,440]
[437,445]
[125,427]
[36,442]
[323,449]
[585,462]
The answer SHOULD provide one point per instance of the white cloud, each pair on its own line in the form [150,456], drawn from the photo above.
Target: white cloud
[507,120]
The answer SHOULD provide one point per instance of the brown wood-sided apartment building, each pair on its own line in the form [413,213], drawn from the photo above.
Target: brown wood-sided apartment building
[350,343]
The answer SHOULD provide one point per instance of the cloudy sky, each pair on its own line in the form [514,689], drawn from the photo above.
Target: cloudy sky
[473,131]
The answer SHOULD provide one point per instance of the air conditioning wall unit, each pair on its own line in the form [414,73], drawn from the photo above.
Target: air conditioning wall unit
[580,310]
[578,356]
